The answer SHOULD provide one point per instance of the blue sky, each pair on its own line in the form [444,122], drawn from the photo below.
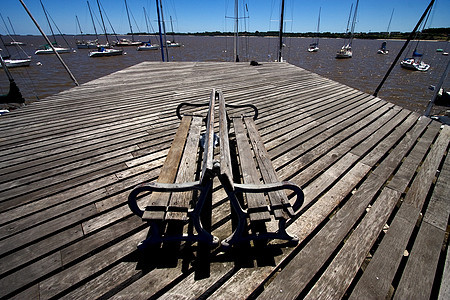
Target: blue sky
[204,15]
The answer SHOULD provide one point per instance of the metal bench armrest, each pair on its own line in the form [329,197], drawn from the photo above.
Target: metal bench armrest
[255,110]
[189,104]
[271,187]
[159,187]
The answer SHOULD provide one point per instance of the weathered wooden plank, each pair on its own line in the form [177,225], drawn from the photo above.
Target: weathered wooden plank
[186,173]
[418,276]
[168,173]
[278,199]
[380,272]
[256,202]
[334,282]
[444,292]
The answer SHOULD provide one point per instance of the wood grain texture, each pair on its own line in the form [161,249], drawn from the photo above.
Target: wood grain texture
[69,163]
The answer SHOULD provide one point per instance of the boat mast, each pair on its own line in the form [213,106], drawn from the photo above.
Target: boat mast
[353,23]
[48,21]
[164,30]
[129,22]
[403,48]
[280,34]
[236,31]
[160,32]
[12,28]
[48,41]
[173,33]
[81,31]
[92,18]
[103,23]
[146,22]
[318,26]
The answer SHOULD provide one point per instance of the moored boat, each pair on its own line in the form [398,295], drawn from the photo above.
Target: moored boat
[148,46]
[414,64]
[46,49]
[15,63]
[102,52]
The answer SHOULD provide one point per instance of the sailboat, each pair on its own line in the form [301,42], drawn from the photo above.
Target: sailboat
[14,62]
[415,62]
[85,44]
[148,45]
[127,42]
[314,47]
[172,43]
[88,44]
[47,49]
[103,51]
[346,50]
[383,49]
[13,42]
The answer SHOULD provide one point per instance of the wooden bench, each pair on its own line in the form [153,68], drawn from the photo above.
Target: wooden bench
[172,198]
[264,199]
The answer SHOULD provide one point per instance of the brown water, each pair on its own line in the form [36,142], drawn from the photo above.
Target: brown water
[364,71]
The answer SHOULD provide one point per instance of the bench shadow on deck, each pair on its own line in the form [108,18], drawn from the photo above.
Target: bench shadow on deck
[375,177]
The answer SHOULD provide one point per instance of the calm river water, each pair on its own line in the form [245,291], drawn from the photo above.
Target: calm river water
[364,71]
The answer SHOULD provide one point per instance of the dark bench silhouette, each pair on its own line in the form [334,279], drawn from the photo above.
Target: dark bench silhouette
[257,180]
[172,196]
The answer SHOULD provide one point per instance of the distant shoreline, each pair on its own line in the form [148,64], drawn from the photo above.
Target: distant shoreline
[431,34]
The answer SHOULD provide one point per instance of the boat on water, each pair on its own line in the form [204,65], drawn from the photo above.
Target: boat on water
[102,52]
[314,47]
[172,44]
[105,51]
[414,64]
[148,46]
[346,50]
[383,49]
[85,44]
[16,43]
[46,49]
[15,63]
[126,42]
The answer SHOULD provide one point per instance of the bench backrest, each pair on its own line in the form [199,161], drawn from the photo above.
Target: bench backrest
[208,154]
[226,172]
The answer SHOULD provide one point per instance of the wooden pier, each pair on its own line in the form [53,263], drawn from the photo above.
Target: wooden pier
[375,176]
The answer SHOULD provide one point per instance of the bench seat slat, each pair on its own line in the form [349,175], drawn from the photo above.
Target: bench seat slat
[278,199]
[168,171]
[256,202]
[179,202]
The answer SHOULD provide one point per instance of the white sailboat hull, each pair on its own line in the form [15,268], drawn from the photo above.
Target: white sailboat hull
[106,52]
[412,64]
[15,63]
[50,51]
[147,47]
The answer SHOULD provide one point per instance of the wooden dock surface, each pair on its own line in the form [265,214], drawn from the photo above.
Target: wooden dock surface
[375,176]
